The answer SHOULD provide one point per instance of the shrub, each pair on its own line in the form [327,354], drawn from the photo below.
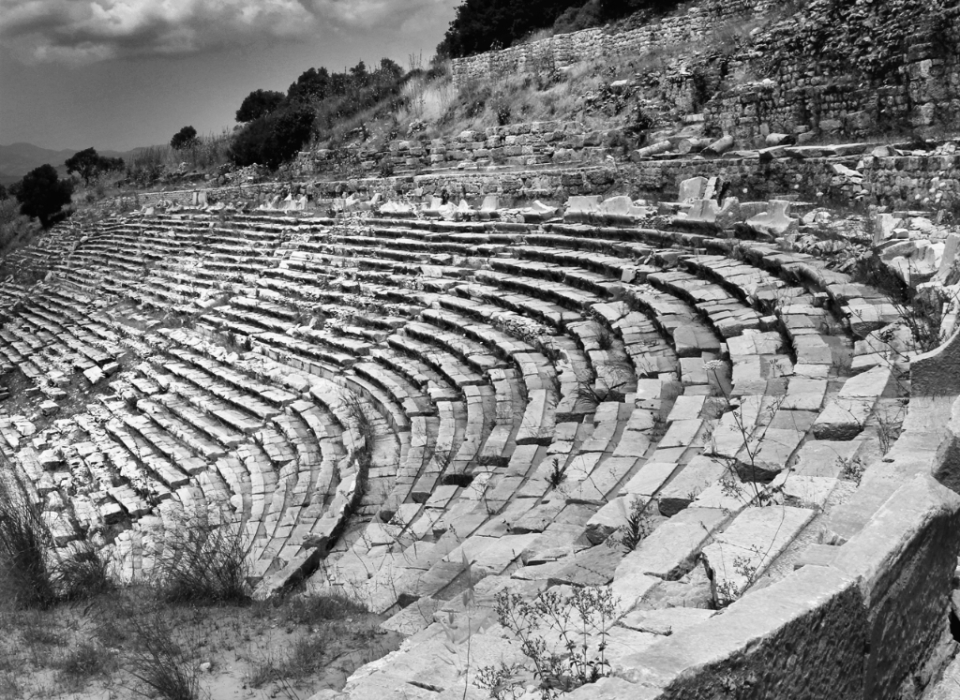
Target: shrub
[273,138]
[84,574]
[563,635]
[87,660]
[26,577]
[159,663]
[204,565]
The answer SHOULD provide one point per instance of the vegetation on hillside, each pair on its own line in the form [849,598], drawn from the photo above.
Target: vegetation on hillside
[275,127]
[482,25]
[89,164]
[190,628]
[42,194]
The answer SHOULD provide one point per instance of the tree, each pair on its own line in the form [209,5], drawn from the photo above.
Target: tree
[312,84]
[259,103]
[480,25]
[3,193]
[89,164]
[184,139]
[273,138]
[42,194]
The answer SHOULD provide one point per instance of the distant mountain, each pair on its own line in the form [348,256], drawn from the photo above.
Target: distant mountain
[18,159]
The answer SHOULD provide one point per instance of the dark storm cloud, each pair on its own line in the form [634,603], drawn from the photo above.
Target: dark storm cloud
[87,31]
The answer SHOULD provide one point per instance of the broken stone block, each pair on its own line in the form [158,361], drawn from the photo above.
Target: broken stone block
[48,408]
[671,550]
[93,375]
[843,419]
[692,189]
[580,209]
[700,473]
[666,621]
[776,220]
[739,555]
[720,146]
[50,459]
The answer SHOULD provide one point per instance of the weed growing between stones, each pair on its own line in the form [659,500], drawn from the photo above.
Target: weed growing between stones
[636,528]
[563,635]
[852,470]
[742,477]
[558,473]
[728,591]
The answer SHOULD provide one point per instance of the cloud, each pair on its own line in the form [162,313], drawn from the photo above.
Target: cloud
[87,31]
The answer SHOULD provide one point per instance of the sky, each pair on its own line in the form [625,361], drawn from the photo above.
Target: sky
[117,74]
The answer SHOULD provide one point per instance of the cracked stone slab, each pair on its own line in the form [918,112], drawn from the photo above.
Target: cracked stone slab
[742,552]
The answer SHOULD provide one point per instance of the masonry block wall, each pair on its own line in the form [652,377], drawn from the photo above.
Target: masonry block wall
[762,89]
[804,96]
[613,44]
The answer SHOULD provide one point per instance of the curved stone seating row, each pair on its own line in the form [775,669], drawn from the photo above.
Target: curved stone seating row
[779,542]
[467,356]
[134,431]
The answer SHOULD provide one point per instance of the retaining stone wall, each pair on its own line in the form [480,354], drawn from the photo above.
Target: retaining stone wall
[813,98]
[535,143]
[913,182]
[612,44]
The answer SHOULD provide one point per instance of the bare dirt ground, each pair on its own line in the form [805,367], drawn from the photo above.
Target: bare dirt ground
[95,650]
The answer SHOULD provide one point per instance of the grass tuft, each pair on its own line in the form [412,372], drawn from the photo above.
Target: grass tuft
[85,662]
[205,566]
[315,609]
[161,664]
[26,574]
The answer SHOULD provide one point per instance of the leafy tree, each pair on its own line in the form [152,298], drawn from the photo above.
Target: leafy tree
[273,138]
[318,102]
[89,164]
[258,104]
[312,84]
[3,193]
[42,194]
[184,139]
[480,25]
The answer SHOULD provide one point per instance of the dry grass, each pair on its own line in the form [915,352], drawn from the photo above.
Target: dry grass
[130,643]
[205,565]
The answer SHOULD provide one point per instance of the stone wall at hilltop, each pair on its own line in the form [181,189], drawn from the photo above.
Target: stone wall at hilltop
[819,99]
[776,80]
[611,44]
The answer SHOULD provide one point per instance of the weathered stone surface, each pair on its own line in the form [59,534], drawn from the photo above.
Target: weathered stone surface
[745,646]
[843,418]
[666,621]
[673,546]
[700,473]
[649,479]
[744,550]
[825,457]
[902,562]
